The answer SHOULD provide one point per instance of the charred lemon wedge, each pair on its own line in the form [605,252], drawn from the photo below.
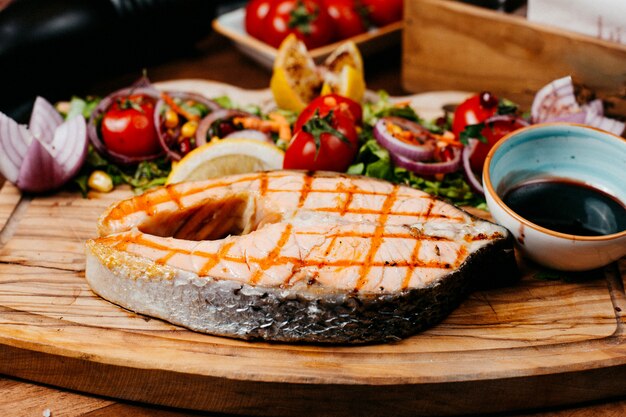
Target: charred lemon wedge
[343,72]
[295,78]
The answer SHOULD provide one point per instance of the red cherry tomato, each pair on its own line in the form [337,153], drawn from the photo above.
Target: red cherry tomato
[128,126]
[307,19]
[347,16]
[324,104]
[474,110]
[256,12]
[493,132]
[383,12]
[336,147]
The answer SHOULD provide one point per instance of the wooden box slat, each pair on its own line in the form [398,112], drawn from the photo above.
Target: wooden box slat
[452,45]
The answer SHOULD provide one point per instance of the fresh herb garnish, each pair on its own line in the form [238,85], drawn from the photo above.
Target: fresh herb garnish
[374,161]
[506,107]
[146,174]
[472,132]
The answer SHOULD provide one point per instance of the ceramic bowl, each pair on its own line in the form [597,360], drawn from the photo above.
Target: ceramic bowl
[558,151]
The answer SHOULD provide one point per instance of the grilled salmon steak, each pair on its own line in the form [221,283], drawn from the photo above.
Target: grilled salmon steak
[295,256]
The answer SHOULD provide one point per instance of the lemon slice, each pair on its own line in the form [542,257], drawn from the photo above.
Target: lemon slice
[295,78]
[225,157]
[344,72]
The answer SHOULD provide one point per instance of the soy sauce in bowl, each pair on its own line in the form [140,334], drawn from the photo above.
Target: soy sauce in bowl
[567,206]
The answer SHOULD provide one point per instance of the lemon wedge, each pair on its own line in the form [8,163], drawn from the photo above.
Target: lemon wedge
[343,73]
[225,157]
[295,78]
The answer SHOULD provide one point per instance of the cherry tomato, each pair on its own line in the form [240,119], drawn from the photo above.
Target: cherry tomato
[493,132]
[307,19]
[256,12]
[474,110]
[324,104]
[348,17]
[336,147]
[383,12]
[128,126]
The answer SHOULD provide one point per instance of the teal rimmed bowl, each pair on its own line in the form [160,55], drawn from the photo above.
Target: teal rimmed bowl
[558,151]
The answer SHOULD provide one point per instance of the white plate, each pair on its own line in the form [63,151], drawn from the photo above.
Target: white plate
[231,25]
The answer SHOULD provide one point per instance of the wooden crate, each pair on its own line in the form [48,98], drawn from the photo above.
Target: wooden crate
[451,45]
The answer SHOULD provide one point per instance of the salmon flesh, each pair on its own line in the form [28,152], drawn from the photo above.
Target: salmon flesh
[295,256]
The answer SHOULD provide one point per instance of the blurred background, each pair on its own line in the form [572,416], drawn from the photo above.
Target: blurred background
[56,48]
[60,48]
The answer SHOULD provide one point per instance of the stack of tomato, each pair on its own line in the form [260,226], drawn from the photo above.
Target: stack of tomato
[317,22]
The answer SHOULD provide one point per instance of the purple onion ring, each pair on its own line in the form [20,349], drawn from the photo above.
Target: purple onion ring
[395,146]
[160,126]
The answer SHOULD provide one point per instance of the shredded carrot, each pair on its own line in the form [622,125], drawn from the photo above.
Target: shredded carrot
[257,124]
[277,123]
[170,102]
[405,103]
[448,139]
[284,130]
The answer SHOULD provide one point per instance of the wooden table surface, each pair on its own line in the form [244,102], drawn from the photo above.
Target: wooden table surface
[217,60]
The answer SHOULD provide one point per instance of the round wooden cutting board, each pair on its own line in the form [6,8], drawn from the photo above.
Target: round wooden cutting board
[545,341]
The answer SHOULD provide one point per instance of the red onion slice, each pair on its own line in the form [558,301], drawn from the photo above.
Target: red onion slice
[46,157]
[43,120]
[556,102]
[595,106]
[395,146]
[93,126]
[428,168]
[15,140]
[473,181]
[208,120]
[249,134]
[48,166]
[610,125]
[159,122]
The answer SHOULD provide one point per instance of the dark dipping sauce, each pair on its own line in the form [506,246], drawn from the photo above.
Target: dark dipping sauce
[568,207]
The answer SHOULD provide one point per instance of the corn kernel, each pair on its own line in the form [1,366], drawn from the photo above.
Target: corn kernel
[100,181]
[189,129]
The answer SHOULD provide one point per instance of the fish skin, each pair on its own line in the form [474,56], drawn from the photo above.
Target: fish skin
[282,279]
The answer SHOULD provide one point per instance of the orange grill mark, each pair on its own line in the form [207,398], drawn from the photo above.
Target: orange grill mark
[174,196]
[412,264]
[215,258]
[265,264]
[163,260]
[343,210]
[306,189]
[120,242]
[123,244]
[158,196]
[377,239]
[324,263]
[124,240]
[263,183]
[461,254]
[346,205]
[431,205]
